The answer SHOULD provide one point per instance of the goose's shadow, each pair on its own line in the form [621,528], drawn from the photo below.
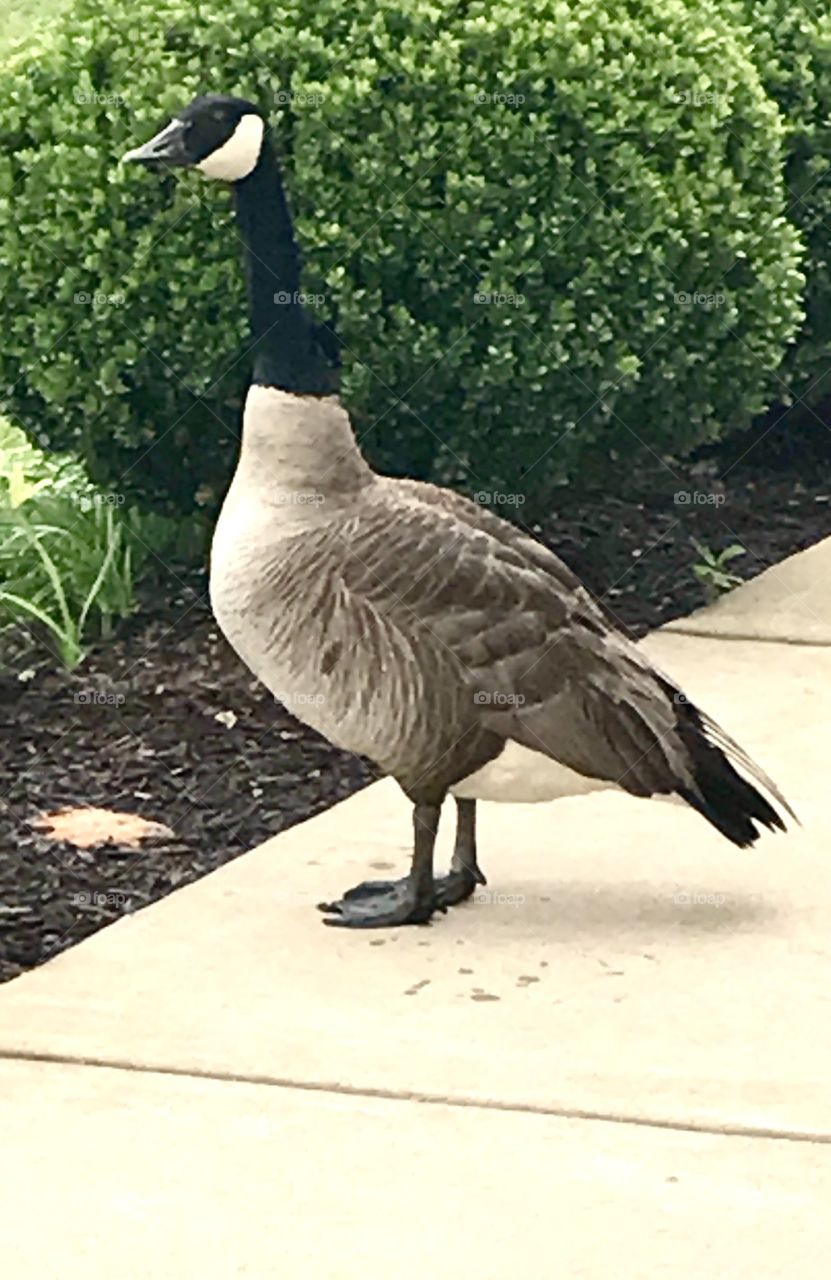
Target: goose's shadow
[571,909]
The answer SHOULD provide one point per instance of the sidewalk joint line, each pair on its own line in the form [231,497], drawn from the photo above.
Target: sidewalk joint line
[427,1098]
[669,628]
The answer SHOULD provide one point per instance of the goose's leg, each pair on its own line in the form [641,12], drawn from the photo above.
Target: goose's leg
[465,873]
[455,887]
[380,904]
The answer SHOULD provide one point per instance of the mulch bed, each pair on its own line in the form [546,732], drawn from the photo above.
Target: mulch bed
[170,751]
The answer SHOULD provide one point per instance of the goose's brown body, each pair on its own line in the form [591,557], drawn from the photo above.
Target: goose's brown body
[410,625]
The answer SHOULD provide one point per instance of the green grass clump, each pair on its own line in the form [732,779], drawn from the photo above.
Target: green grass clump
[69,554]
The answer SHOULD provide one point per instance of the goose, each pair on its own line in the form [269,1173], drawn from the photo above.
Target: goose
[405,622]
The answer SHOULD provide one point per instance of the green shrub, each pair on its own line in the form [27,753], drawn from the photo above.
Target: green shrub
[791,46]
[596,161]
[18,18]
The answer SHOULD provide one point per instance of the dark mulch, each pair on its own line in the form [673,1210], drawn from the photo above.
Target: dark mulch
[768,490]
[221,786]
[224,787]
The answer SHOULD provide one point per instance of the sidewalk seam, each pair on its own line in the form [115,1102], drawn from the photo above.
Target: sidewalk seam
[426,1098]
[670,629]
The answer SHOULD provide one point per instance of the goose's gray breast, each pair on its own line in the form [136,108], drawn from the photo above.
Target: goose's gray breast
[338,657]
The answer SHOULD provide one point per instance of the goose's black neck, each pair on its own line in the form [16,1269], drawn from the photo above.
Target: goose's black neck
[287,350]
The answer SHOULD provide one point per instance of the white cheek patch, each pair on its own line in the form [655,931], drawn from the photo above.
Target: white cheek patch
[237,157]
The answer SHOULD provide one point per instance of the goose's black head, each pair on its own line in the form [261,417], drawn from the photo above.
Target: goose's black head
[221,136]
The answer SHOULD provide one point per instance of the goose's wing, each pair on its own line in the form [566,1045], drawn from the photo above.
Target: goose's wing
[476,516]
[584,674]
[542,663]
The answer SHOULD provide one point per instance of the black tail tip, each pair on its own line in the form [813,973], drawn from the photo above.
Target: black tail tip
[740,814]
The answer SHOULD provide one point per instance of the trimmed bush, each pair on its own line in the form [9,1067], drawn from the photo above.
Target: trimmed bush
[791,46]
[550,241]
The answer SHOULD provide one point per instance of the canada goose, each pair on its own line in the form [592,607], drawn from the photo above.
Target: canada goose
[405,622]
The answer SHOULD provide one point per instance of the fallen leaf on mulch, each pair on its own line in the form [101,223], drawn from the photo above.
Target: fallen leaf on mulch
[88,827]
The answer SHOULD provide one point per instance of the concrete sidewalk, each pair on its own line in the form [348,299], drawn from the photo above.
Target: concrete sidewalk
[614,1064]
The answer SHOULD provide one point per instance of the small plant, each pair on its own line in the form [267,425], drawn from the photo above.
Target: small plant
[68,554]
[711,570]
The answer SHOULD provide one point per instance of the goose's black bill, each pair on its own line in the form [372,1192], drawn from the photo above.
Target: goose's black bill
[168,147]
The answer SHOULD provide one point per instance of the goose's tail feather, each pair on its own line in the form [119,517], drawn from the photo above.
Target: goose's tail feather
[732,803]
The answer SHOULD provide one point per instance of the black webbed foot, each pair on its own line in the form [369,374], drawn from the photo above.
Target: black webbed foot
[457,886]
[381,904]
